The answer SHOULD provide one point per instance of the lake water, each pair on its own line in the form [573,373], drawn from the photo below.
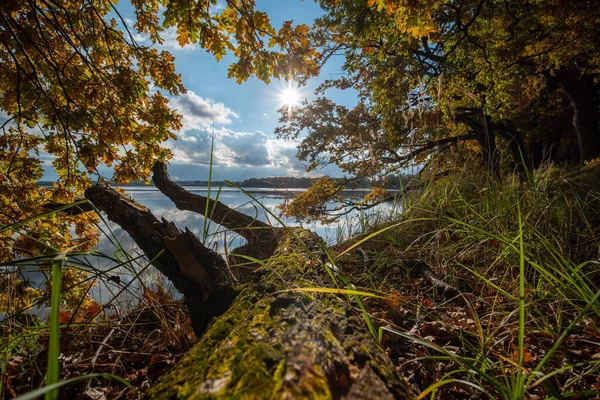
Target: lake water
[125,271]
[264,207]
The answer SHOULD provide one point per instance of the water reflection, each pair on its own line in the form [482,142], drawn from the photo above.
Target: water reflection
[264,208]
[121,271]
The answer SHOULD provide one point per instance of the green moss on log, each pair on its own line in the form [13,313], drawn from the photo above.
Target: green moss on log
[273,343]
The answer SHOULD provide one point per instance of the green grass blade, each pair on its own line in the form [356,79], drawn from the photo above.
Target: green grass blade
[54,387]
[370,236]
[53,372]
[206,224]
[518,393]
[441,383]
[336,291]
[563,337]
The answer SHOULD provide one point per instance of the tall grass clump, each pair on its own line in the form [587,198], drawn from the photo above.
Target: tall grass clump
[524,256]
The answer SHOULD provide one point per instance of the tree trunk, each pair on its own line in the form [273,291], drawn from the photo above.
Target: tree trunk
[487,140]
[201,275]
[484,134]
[270,341]
[518,150]
[580,91]
[279,344]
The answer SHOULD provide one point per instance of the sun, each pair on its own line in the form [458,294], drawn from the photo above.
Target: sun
[290,96]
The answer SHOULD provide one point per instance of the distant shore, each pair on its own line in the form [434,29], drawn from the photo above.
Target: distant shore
[276,184]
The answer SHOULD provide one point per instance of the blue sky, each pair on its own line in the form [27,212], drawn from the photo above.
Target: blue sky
[245,115]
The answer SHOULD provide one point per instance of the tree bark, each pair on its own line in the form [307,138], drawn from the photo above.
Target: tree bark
[201,275]
[520,155]
[280,344]
[488,143]
[580,91]
[269,341]
[261,237]
[485,135]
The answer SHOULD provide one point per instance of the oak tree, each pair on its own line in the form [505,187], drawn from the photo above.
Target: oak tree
[78,92]
[438,81]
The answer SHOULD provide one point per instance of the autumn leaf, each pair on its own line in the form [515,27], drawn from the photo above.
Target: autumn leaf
[527,355]
[393,300]
[92,310]
[64,317]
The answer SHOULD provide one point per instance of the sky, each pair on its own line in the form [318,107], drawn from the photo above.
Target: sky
[244,115]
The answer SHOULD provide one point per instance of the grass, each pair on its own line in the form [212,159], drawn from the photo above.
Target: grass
[524,256]
[72,313]
[53,369]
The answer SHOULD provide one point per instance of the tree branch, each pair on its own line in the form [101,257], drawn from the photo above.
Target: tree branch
[200,274]
[222,214]
[262,238]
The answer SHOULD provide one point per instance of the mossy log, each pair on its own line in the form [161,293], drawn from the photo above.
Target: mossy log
[266,340]
[277,343]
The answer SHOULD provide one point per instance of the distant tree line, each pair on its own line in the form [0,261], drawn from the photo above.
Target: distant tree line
[392,181]
[282,182]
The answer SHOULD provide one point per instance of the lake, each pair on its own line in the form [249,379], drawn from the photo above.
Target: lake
[264,208]
[125,270]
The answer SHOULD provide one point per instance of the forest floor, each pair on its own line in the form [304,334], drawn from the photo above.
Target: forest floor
[487,290]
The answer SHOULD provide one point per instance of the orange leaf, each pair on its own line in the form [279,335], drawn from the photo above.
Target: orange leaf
[420,353]
[494,243]
[527,355]
[92,310]
[393,300]
[64,317]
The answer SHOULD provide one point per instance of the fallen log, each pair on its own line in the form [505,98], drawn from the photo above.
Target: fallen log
[201,275]
[277,343]
[265,340]
[262,238]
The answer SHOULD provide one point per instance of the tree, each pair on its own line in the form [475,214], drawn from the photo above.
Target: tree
[76,85]
[437,77]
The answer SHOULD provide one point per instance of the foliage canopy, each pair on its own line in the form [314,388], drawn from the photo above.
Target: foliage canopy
[441,83]
[79,91]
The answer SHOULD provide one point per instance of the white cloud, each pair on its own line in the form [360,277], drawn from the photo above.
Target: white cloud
[169,37]
[231,148]
[201,113]
[249,149]
[283,154]
[238,150]
[171,44]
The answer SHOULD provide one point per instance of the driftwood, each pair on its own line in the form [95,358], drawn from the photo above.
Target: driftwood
[265,340]
[262,238]
[201,275]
